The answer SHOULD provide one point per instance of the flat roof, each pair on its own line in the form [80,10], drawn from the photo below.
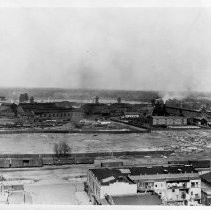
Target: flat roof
[142,199]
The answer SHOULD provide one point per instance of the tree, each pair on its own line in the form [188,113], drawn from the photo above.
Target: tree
[23,98]
[31,99]
[62,149]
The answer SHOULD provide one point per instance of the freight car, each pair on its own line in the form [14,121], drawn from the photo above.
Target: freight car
[194,163]
[111,164]
[25,162]
[4,163]
[84,160]
[200,163]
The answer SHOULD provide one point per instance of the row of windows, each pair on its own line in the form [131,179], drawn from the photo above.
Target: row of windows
[56,115]
[166,121]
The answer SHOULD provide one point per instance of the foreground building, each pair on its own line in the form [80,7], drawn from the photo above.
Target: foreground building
[206,189]
[179,185]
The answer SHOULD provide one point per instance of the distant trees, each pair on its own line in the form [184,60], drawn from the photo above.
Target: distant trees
[23,98]
[62,149]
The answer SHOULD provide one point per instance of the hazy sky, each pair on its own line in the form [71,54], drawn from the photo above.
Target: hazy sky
[117,48]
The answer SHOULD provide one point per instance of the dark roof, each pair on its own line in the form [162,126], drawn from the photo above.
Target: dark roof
[103,173]
[95,105]
[120,105]
[183,109]
[39,108]
[207,177]
[146,199]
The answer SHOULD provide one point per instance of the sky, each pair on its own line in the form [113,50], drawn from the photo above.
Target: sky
[129,48]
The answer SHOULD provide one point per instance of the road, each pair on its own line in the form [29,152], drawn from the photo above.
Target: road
[53,172]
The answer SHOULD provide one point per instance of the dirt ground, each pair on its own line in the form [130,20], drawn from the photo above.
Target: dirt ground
[63,193]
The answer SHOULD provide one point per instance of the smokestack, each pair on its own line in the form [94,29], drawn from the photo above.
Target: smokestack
[97,100]
[119,100]
[180,104]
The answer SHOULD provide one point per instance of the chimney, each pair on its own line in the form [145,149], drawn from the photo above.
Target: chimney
[119,100]
[180,104]
[97,100]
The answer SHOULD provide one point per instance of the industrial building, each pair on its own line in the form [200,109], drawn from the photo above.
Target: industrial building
[119,108]
[168,120]
[8,110]
[198,116]
[46,111]
[173,184]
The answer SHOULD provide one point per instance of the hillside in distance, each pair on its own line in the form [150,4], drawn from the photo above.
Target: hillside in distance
[78,94]
[89,94]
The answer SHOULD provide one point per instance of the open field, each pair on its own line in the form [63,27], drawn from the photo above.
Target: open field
[44,143]
[182,142]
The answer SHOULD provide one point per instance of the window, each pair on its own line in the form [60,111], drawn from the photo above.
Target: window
[192,184]
[173,190]
[155,185]
[191,193]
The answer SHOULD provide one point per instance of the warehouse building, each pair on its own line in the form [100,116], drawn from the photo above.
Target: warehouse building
[48,111]
[168,120]
[178,184]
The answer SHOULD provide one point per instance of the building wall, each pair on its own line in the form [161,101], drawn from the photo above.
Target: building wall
[178,191]
[169,121]
[118,188]
[173,191]
[55,115]
[77,116]
[206,198]
[93,185]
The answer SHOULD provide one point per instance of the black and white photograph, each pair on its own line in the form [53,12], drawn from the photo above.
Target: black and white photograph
[105,103]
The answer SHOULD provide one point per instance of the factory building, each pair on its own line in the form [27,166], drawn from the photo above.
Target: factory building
[96,108]
[48,111]
[8,110]
[168,120]
[173,184]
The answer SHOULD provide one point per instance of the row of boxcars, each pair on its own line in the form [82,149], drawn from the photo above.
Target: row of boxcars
[39,162]
[194,163]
